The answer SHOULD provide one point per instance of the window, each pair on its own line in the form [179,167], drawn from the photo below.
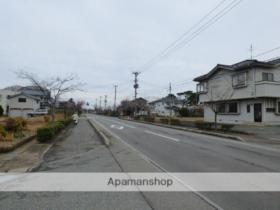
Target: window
[248,108]
[202,87]
[267,76]
[232,107]
[270,109]
[21,100]
[279,107]
[239,80]
[221,108]
[228,108]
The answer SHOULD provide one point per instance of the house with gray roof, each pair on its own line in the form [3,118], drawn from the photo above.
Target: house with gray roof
[22,104]
[245,92]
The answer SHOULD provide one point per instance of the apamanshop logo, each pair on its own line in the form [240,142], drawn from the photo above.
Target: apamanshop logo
[145,182]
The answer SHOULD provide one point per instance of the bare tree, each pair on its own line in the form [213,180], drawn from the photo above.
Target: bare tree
[55,86]
[218,93]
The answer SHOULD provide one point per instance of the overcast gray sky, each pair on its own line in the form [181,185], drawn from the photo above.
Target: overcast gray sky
[103,41]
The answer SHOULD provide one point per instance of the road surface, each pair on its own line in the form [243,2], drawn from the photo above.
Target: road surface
[180,151]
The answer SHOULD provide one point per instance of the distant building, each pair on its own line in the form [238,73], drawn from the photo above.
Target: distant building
[165,106]
[245,92]
[22,104]
[140,106]
[43,95]
[4,101]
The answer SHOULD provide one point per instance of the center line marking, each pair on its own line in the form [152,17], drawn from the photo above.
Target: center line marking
[163,136]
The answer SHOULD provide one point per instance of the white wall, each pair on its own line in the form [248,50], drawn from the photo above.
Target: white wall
[21,109]
[243,117]
[159,109]
[4,102]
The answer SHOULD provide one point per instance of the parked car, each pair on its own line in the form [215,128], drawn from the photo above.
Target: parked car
[37,112]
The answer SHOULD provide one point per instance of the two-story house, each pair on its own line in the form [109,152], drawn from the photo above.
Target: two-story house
[245,92]
[22,104]
[165,106]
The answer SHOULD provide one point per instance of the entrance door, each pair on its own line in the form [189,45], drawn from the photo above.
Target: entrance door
[258,112]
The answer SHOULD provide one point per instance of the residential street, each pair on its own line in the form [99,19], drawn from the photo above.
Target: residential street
[179,151]
[82,151]
[173,150]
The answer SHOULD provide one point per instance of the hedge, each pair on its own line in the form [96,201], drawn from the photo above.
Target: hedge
[149,119]
[175,122]
[47,133]
[164,120]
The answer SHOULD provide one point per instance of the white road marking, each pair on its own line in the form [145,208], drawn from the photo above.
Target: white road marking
[161,135]
[117,127]
[123,124]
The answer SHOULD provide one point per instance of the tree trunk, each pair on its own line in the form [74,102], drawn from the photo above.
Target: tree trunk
[53,113]
[215,120]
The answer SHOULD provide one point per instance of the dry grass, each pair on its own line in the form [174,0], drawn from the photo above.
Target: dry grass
[34,123]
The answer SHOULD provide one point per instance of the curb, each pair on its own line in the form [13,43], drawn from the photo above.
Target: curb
[37,166]
[17,145]
[99,132]
[236,138]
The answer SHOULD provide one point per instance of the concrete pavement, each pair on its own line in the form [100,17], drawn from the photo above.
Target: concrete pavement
[180,151]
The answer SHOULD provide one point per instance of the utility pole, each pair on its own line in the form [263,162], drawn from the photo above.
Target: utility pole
[100,99]
[105,101]
[136,85]
[170,103]
[115,98]
[96,104]
[251,51]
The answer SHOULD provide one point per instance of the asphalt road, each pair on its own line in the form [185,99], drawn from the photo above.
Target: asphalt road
[180,151]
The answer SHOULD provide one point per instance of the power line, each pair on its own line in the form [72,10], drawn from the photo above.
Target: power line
[266,52]
[184,40]
[187,32]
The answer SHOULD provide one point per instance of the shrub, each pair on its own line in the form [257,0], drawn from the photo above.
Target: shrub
[67,121]
[204,125]
[149,119]
[11,125]
[45,134]
[164,120]
[9,137]
[184,112]
[226,127]
[56,126]
[3,133]
[175,122]
[1,110]
[47,118]
[137,117]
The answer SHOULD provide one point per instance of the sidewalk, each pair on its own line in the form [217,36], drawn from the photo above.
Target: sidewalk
[26,157]
[23,158]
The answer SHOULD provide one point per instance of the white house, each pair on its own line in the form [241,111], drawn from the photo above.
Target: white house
[4,94]
[245,92]
[165,106]
[21,104]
